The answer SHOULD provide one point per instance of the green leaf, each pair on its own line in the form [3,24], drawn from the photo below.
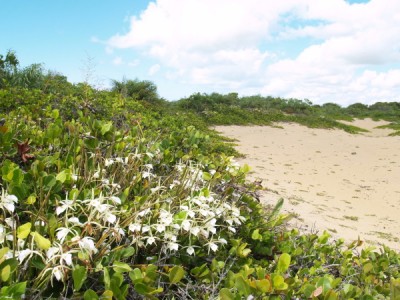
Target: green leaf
[279,282]
[368,267]
[62,176]
[225,294]
[308,290]
[6,169]
[12,262]
[151,272]
[331,295]
[31,199]
[106,279]
[176,274]
[52,223]
[336,282]
[143,289]
[156,291]
[106,128]
[120,267]
[395,288]
[180,217]
[5,273]
[90,295]
[348,288]
[245,168]
[323,239]
[17,290]
[263,285]
[49,181]
[283,263]
[256,235]
[325,283]
[216,265]
[55,113]
[242,286]
[136,275]
[243,251]
[17,177]
[369,297]
[41,241]
[24,230]
[128,252]
[207,176]
[123,290]
[73,194]
[21,191]
[261,273]
[201,271]
[107,295]
[115,284]
[79,274]
[3,251]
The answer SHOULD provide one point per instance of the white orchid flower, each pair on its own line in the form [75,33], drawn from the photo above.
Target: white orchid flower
[134,227]
[62,233]
[66,204]
[212,246]
[173,246]
[87,244]
[186,225]
[190,250]
[151,240]
[8,201]
[75,221]
[115,199]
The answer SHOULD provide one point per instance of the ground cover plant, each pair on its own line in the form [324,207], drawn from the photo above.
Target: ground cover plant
[105,195]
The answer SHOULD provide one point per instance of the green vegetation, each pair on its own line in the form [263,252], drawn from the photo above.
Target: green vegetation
[352,218]
[231,109]
[105,195]
[393,125]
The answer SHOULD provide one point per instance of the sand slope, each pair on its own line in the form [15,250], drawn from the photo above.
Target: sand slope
[332,180]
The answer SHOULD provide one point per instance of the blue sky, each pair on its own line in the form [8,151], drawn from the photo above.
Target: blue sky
[60,34]
[326,51]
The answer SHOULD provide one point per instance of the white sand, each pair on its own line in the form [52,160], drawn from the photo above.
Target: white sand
[332,180]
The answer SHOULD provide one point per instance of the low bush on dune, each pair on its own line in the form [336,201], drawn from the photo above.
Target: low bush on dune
[229,109]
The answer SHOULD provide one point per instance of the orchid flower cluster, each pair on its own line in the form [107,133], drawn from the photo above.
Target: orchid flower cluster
[197,219]
[89,228]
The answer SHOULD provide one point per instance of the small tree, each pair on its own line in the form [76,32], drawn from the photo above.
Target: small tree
[30,77]
[139,90]
[11,75]
[8,67]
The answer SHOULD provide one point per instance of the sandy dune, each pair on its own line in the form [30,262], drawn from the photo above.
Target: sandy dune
[332,180]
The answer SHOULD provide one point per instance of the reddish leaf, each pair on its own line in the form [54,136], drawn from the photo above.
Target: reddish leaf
[23,149]
[317,292]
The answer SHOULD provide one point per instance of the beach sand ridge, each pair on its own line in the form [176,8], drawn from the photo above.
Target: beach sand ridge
[347,184]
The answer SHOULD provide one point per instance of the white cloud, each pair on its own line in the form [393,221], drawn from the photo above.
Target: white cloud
[134,63]
[154,69]
[117,61]
[200,23]
[217,44]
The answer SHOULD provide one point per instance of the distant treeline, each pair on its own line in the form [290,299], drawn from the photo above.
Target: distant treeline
[209,103]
